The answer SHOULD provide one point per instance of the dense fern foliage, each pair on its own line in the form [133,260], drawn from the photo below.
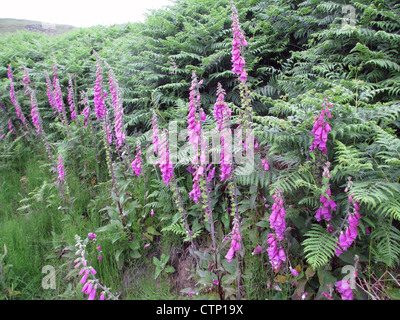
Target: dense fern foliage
[300,56]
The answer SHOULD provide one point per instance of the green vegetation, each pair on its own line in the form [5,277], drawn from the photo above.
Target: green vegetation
[300,54]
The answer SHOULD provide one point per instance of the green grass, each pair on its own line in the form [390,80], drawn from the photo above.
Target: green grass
[35,231]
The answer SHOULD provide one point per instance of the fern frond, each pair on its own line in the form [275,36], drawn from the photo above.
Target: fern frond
[319,246]
[387,239]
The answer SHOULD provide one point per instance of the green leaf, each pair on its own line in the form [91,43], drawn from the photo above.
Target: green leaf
[148,236]
[118,254]
[135,254]
[156,262]
[262,224]
[230,267]
[169,269]
[325,277]
[229,278]
[164,259]
[134,245]
[157,272]
[115,237]
[153,231]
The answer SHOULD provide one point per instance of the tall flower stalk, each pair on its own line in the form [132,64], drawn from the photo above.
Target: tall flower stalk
[26,80]
[59,102]
[118,109]
[327,203]
[122,147]
[195,137]
[62,182]
[351,221]
[36,120]
[165,163]
[238,42]
[239,68]
[50,91]
[237,242]
[155,133]
[137,163]
[277,221]
[167,171]
[91,284]
[14,99]
[71,98]
[87,121]
[99,93]
[321,129]
[222,115]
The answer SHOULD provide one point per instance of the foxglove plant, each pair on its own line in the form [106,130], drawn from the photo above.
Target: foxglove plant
[137,163]
[221,110]
[86,109]
[14,99]
[257,250]
[155,141]
[58,98]
[347,238]
[118,109]
[85,113]
[239,41]
[167,171]
[328,204]
[89,281]
[87,121]
[236,229]
[26,80]
[99,93]
[276,254]
[10,127]
[109,134]
[277,221]
[59,102]
[194,125]
[265,164]
[61,179]
[107,140]
[60,169]
[35,111]
[222,115]
[343,287]
[235,243]
[50,91]
[321,129]
[165,163]
[195,136]
[211,173]
[71,98]
[238,68]
[277,217]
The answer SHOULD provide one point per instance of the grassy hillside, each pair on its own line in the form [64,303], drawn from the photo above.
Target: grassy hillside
[13,25]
